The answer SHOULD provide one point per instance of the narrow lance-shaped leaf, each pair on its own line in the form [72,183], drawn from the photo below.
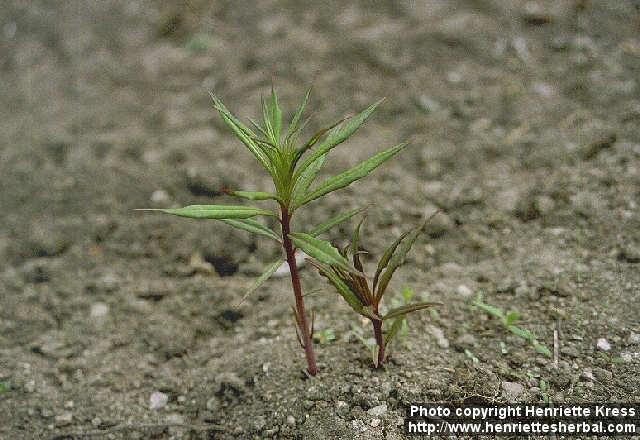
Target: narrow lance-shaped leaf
[216,212]
[342,288]
[242,132]
[340,135]
[270,270]
[334,221]
[396,260]
[254,227]
[401,311]
[315,138]
[348,177]
[384,260]
[295,121]
[305,180]
[393,331]
[252,195]
[321,250]
[275,115]
[355,245]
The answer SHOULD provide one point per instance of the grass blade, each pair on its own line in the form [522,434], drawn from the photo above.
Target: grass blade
[254,227]
[322,251]
[216,212]
[401,311]
[270,270]
[351,175]
[340,135]
[334,221]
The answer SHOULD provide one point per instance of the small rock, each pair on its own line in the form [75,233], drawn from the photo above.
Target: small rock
[291,421]
[158,400]
[159,196]
[96,422]
[603,344]
[64,419]
[99,310]
[342,407]
[378,411]
[375,422]
[634,339]
[437,333]
[512,390]
[464,291]
[602,375]
[587,374]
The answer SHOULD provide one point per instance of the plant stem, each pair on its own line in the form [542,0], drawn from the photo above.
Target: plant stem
[377,331]
[297,291]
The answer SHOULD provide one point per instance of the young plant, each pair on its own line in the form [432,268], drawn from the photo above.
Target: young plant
[509,321]
[364,297]
[293,167]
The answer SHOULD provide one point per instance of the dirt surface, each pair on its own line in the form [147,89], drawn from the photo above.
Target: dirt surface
[524,124]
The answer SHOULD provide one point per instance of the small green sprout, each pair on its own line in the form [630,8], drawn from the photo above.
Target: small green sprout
[293,167]
[325,336]
[509,320]
[364,297]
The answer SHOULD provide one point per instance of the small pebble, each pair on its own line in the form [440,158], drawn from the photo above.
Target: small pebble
[464,291]
[291,421]
[512,390]
[99,310]
[603,344]
[159,196]
[634,338]
[158,400]
[375,422]
[378,411]
[64,419]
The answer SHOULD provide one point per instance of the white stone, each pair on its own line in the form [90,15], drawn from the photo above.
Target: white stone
[603,344]
[375,422]
[99,310]
[378,411]
[158,400]
[159,196]
[512,390]
[464,291]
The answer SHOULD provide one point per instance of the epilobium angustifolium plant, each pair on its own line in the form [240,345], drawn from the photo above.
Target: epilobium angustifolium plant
[365,298]
[293,166]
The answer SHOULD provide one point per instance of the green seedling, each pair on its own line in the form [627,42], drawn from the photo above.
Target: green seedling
[508,320]
[365,297]
[325,336]
[293,167]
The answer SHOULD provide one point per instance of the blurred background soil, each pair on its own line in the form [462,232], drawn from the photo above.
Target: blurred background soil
[523,119]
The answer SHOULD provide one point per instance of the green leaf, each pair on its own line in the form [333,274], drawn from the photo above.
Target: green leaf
[275,115]
[393,331]
[295,121]
[355,243]
[384,261]
[242,132]
[254,227]
[541,348]
[396,260]
[322,251]
[305,179]
[511,318]
[493,311]
[217,212]
[340,135]
[337,282]
[407,294]
[401,311]
[518,331]
[253,195]
[270,270]
[315,138]
[336,220]
[351,175]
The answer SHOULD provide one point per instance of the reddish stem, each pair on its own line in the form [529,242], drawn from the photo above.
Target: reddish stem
[312,368]
[377,331]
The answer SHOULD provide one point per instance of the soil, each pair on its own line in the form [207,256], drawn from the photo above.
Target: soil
[524,125]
